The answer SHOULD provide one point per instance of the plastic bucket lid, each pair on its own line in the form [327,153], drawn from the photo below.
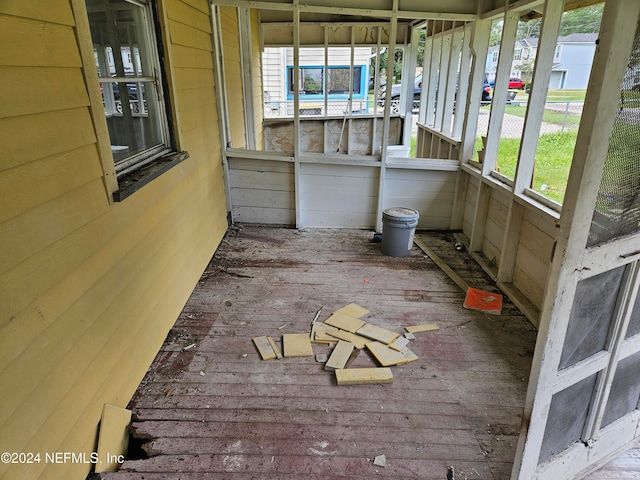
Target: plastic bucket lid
[400,214]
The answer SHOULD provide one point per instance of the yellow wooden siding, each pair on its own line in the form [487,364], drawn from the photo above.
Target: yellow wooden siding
[233,75]
[256,72]
[43,134]
[27,90]
[88,289]
[51,11]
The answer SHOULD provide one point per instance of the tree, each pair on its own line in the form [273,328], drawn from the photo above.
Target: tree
[582,20]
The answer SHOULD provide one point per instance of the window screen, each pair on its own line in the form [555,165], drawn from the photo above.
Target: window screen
[617,209]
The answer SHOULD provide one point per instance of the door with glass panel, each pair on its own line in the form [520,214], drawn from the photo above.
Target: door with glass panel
[582,405]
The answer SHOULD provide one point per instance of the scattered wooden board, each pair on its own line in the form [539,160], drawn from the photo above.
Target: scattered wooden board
[399,343]
[323,337]
[377,333]
[364,376]
[358,341]
[426,327]
[464,286]
[113,439]
[386,356]
[266,350]
[339,355]
[319,333]
[409,355]
[345,322]
[353,310]
[297,345]
[275,348]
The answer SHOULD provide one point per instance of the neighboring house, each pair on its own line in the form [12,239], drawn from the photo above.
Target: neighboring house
[572,62]
[317,81]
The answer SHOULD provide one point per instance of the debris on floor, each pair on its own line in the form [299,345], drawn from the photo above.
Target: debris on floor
[380,461]
[297,345]
[364,376]
[482,301]
[421,328]
[339,356]
[349,334]
[265,348]
[475,299]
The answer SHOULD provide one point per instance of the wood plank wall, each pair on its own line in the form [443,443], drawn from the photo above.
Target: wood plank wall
[89,289]
[535,244]
[262,191]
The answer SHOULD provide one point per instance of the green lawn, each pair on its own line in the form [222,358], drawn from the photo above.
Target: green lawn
[553,160]
[549,116]
[555,95]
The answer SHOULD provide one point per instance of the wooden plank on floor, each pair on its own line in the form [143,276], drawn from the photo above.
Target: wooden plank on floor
[353,310]
[113,440]
[265,348]
[375,332]
[399,343]
[457,279]
[345,322]
[426,327]
[339,356]
[364,376]
[297,345]
[387,356]
[275,347]
[358,341]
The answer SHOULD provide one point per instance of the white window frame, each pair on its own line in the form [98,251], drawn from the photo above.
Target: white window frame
[149,36]
[557,55]
[517,55]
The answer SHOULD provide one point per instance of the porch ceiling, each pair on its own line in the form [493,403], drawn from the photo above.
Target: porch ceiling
[277,16]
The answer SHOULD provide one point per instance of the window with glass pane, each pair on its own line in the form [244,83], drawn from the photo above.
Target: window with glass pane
[338,80]
[309,81]
[128,69]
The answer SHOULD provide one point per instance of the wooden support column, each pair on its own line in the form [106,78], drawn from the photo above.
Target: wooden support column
[296,112]
[442,78]
[500,90]
[221,99]
[538,95]
[529,142]
[426,68]
[387,112]
[495,127]
[376,88]
[450,82]
[408,83]
[436,50]
[481,31]
[463,82]
[244,37]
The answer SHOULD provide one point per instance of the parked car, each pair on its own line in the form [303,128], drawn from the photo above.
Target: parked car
[516,84]
[395,94]
[417,88]
[486,90]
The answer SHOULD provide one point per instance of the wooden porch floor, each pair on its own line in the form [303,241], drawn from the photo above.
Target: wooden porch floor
[209,407]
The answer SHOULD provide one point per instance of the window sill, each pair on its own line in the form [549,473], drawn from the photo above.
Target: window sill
[131,182]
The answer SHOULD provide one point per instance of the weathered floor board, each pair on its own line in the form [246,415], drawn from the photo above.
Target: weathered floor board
[210,407]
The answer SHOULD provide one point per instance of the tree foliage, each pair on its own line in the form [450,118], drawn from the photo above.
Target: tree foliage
[581,20]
